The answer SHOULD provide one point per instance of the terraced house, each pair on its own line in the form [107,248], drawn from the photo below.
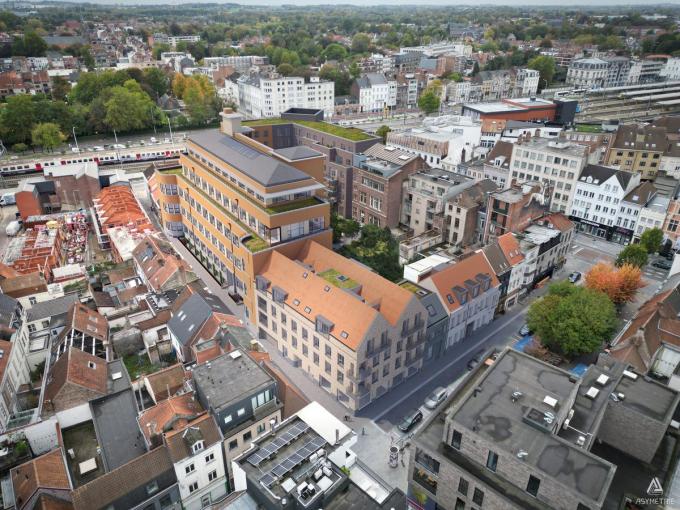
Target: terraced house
[239,199]
[352,331]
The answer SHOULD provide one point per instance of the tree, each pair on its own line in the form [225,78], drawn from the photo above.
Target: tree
[128,108]
[17,119]
[572,320]
[47,135]
[429,101]
[60,88]
[546,68]
[634,254]
[651,239]
[361,43]
[354,70]
[382,132]
[334,51]
[285,69]
[619,284]
[156,80]
[378,249]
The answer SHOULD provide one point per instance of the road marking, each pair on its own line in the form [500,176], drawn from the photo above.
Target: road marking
[448,366]
[577,250]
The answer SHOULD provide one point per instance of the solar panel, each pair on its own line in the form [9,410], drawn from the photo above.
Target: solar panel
[288,464]
[267,480]
[279,470]
[255,459]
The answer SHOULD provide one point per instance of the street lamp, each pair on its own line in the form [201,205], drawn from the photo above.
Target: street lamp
[75,139]
[172,141]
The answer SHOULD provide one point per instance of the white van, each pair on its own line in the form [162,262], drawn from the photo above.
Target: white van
[7,199]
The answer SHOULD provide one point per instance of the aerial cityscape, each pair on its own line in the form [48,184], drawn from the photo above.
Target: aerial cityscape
[339,256]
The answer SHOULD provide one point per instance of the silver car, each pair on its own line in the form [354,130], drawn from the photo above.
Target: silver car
[436,397]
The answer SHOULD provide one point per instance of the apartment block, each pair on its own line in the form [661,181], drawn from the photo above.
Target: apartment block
[522,434]
[239,200]
[375,92]
[164,194]
[338,145]
[598,205]
[469,291]
[637,148]
[545,244]
[514,208]
[379,174]
[465,214]
[352,331]
[556,163]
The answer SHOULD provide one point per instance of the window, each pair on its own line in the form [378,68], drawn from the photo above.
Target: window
[32,300]
[209,458]
[190,468]
[205,501]
[492,461]
[152,487]
[212,475]
[197,446]
[193,487]
[463,486]
[241,412]
[261,428]
[456,439]
[233,444]
[247,436]
[166,501]
[533,485]
[460,504]
[227,418]
[478,497]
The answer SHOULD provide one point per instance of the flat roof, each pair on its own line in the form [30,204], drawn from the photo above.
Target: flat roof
[230,377]
[520,426]
[298,152]
[260,167]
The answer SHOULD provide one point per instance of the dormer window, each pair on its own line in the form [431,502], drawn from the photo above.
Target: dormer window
[197,446]
[91,364]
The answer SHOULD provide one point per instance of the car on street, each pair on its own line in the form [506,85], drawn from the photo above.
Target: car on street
[98,148]
[118,146]
[410,420]
[436,397]
[525,330]
[662,264]
[476,359]
[153,139]
[574,277]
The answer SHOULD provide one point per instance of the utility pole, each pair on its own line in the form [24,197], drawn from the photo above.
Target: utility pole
[75,139]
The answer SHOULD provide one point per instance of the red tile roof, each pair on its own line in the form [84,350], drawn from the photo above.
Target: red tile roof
[117,206]
[171,414]
[510,248]
[79,368]
[45,472]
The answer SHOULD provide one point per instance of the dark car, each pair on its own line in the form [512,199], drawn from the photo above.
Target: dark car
[525,330]
[662,264]
[574,277]
[476,359]
[410,420]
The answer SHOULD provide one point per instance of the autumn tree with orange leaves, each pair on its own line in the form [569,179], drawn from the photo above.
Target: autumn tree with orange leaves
[620,284]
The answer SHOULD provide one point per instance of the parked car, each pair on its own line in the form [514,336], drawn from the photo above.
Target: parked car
[662,264]
[574,277]
[12,228]
[410,420]
[7,199]
[476,359]
[525,330]
[436,397]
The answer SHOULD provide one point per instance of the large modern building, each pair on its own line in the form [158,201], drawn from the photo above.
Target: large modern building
[352,331]
[522,434]
[239,199]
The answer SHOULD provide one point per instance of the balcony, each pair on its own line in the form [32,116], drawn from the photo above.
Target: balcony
[377,350]
[413,329]
[361,376]
[294,205]
[417,341]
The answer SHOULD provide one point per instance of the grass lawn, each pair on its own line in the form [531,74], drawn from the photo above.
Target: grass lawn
[174,171]
[291,206]
[589,128]
[409,286]
[349,133]
[138,366]
[331,276]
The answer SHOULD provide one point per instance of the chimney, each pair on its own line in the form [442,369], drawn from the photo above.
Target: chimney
[231,122]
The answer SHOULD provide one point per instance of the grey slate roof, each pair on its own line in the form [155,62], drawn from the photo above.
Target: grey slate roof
[298,152]
[7,307]
[371,79]
[225,379]
[264,169]
[602,173]
[193,313]
[50,308]
[434,307]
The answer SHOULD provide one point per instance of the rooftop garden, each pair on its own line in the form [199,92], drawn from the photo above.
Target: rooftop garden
[589,128]
[256,243]
[411,287]
[173,171]
[337,279]
[349,133]
[291,206]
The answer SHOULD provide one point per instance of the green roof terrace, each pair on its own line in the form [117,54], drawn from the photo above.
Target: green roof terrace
[334,277]
[348,133]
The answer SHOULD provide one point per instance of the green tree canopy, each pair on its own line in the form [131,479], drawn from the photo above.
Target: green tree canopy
[17,119]
[334,51]
[546,67]
[634,254]
[572,320]
[47,135]
[429,101]
[651,239]
[382,132]
[361,43]
[128,108]
[378,249]
[285,69]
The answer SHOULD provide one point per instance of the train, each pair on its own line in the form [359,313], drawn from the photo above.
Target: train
[106,157]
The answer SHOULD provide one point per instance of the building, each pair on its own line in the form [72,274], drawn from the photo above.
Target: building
[159,266]
[300,129]
[41,483]
[557,163]
[469,291]
[531,109]
[501,84]
[13,83]
[379,174]
[632,205]
[268,96]
[516,207]
[147,482]
[637,148]
[597,73]
[164,194]
[375,92]
[172,40]
[597,203]
[671,70]
[545,244]
[352,331]
[645,71]
[652,215]
[671,224]
[316,446]
[496,165]
[510,247]
[14,372]
[84,329]
[196,454]
[424,199]
[465,213]
[440,141]
[460,456]
[241,396]
[238,201]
